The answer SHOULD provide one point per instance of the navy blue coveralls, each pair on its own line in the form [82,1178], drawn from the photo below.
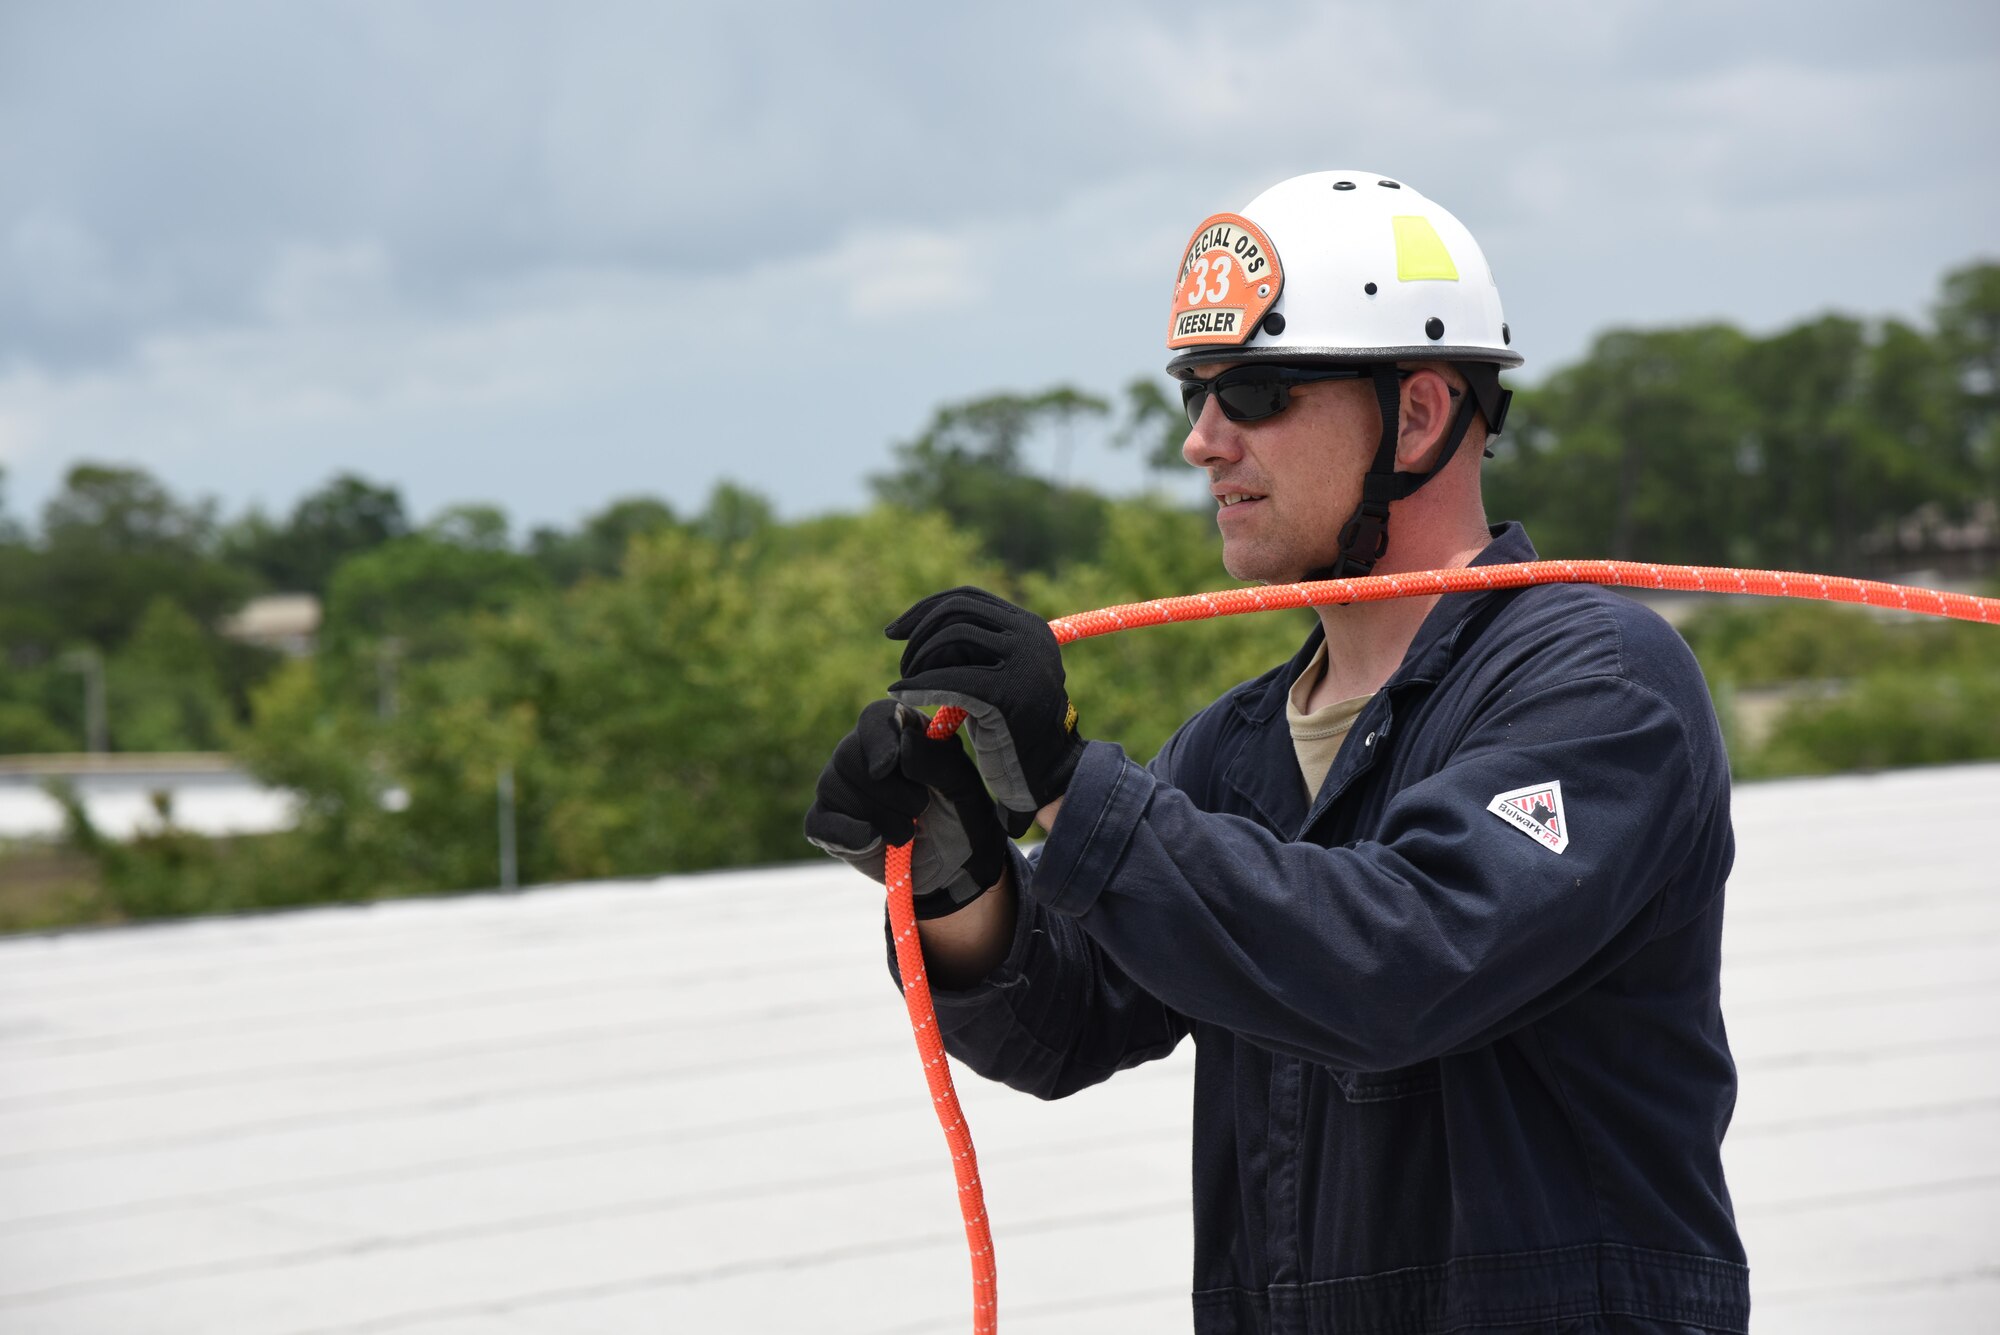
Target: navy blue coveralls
[1448,1079]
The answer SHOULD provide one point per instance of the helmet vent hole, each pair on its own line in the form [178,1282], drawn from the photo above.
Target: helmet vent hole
[1343,185]
[1389,185]
[1369,288]
[1434,327]
[1274,324]
[1506,334]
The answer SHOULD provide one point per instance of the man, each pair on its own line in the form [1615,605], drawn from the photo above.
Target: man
[1440,900]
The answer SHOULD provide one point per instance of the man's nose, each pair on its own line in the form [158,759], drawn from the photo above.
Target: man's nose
[1214,439]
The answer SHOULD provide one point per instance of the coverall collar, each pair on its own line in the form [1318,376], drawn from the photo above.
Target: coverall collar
[1432,649]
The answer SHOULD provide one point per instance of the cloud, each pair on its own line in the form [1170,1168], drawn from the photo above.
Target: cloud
[888,275]
[469,143]
[561,372]
[545,256]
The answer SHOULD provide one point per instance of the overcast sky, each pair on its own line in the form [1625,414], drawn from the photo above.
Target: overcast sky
[543,255]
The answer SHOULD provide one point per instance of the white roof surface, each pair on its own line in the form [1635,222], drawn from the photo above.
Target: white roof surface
[692,1105]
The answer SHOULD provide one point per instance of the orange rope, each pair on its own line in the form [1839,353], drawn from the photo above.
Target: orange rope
[1623,574]
[937,1073]
[1316,593]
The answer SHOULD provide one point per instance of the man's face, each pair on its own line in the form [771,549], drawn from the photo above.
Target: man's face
[1284,485]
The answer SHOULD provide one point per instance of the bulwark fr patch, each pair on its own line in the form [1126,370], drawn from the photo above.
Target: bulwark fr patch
[1536,811]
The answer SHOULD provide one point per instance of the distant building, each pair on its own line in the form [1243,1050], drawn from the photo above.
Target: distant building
[1926,539]
[127,795]
[287,622]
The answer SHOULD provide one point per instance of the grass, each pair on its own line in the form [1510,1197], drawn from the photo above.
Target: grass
[44,886]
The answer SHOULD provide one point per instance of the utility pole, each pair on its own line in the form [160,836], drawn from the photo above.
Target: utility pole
[509,873]
[387,654]
[91,664]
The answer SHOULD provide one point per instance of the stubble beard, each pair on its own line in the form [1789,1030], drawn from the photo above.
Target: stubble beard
[1261,563]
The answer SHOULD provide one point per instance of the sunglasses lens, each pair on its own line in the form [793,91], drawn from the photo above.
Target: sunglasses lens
[1249,394]
[1194,396]
[1248,400]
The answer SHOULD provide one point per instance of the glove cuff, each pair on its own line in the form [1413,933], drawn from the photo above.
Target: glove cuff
[948,899]
[1056,782]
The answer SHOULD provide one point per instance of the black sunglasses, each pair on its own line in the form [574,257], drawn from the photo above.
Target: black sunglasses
[1259,390]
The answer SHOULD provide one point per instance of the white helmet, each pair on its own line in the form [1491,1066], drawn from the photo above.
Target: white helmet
[1355,267]
[1347,267]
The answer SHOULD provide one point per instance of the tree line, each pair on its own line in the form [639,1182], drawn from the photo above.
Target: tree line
[663,681]
[1837,445]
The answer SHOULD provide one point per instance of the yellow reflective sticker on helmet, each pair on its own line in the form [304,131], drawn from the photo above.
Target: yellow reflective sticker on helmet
[1420,252]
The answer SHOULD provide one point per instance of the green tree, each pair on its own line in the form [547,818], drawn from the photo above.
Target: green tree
[343,518]
[31,622]
[1639,451]
[735,516]
[11,533]
[1811,447]
[671,717]
[114,539]
[598,545]
[413,598]
[164,686]
[351,843]
[1888,720]
[470,527]
[27,729]
[1155,422]
[414,588]
[1805,427]
[1968,322]
[969,465]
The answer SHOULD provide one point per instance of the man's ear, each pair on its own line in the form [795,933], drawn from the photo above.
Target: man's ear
[1426,420]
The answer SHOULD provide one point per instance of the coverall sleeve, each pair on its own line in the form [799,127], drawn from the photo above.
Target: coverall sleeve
[1451,929]
[1058,1014]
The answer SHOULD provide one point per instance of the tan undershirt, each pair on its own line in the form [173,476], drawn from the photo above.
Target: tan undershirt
[1317,736]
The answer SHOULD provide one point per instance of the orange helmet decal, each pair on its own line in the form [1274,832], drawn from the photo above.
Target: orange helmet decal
[1229,278]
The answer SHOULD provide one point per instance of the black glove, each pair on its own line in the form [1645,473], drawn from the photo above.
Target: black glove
[1001,665]
[888,782]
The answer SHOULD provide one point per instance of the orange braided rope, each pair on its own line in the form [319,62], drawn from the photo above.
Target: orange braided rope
[1622,574]
[937,1071]
[1316,593]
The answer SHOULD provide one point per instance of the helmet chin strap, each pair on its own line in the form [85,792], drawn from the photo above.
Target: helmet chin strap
[1364,538]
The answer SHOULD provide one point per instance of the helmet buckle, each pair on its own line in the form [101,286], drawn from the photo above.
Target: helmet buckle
[1364,539]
